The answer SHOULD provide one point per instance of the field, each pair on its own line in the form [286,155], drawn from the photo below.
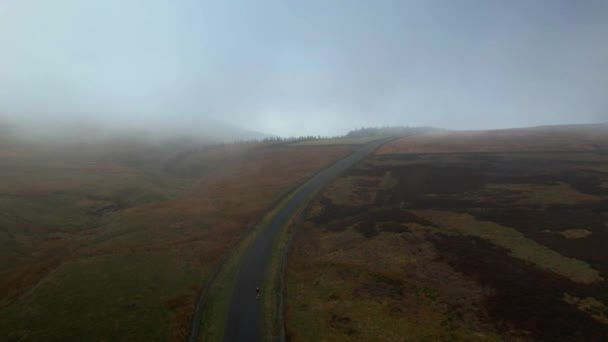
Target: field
[541,139]
[459,236]
[115,240]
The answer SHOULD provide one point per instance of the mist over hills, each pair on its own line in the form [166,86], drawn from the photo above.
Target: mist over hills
[196,131]
[153,130]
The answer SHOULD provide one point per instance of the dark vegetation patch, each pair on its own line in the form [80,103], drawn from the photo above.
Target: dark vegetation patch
[542,225]
[370,227]
[525,296]
[530,220]
[109,208]
[343,324]
[521,297]
[365,219]
[416,181]
[589,182]
[331,212]
[393,227]
[366,183]
[458,183]
[380,285]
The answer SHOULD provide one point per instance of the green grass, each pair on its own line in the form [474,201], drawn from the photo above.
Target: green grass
[341,191]
[48,213]
[389,182]
[56,212]
[68,202]
[589,305]
[271,288]
[575,233]
[560,193]
[217,303]
[271,329]
[322,306]
[60,250]
[115,297]
[520,247]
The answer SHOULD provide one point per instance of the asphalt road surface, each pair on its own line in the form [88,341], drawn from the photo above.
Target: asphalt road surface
[244,315]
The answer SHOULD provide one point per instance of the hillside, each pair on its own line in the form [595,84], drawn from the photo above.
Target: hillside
[115,240]
[459,236]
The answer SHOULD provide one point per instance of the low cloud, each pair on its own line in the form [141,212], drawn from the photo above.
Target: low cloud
[298,68]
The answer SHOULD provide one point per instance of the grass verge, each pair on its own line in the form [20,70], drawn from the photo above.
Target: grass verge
[272,292]
[217,303]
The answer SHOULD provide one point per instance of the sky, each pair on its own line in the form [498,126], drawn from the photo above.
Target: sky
[305,67]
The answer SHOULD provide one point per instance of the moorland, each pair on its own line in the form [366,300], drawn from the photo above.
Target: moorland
[475,235]
[115,239]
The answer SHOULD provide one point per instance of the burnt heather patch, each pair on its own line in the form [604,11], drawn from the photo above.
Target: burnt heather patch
[442,284]
[525,296]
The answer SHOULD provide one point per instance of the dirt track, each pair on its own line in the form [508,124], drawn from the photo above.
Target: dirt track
[243,322]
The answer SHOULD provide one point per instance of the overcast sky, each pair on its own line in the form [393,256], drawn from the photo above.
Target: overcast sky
[306,67]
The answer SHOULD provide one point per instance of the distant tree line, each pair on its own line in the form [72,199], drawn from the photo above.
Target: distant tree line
[274,140]
[278,140]
[357,133]
[387,131]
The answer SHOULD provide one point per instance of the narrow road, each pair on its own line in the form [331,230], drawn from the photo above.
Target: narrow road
[243,322]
